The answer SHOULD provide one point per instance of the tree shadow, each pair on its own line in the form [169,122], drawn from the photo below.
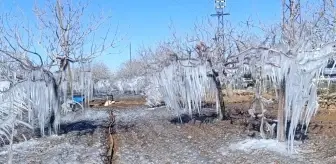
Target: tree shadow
[125,127]
[202,118]
[82,127]
[182,119]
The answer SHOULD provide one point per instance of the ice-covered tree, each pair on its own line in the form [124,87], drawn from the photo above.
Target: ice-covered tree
[65,35]
[223,64]
[293,59]
[100,71]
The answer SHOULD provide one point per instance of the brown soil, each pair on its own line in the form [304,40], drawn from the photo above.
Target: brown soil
[135,135]
[147,136]
[323,123]
[123,103]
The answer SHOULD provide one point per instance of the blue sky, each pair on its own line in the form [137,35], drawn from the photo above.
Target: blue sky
[147,22]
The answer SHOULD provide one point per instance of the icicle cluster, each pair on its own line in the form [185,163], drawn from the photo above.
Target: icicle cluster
[260,77]
[13,104]
[300,68]
[38,98]
[34,98]
[184,84]
[102,86]
[83,83]
[135,85]
[152,91]
[44,98]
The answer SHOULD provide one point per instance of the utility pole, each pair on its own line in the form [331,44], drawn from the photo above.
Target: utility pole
[220,45]
[130,51]
[291,11]
[220,36]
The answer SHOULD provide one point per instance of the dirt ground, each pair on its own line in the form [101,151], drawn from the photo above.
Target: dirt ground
[147,135]
[120,103]
[83,143]
[323,123]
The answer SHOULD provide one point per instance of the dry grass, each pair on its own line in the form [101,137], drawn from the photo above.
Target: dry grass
[123,103]
[325,116]
[324,123]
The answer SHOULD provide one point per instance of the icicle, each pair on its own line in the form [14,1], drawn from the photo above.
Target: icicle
[301,73]
[184,85]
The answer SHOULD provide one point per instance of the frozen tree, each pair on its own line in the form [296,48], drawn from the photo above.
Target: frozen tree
[227,58]
[184,84]
[293,59]
[156,58]
[140,72]
[154,61]
[223,65]
[44,77]
[100,71]
[131,69]
[102,77]
[77,40]
[131,77]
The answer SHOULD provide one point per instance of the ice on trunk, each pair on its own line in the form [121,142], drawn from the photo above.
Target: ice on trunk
[39,97]
[184,84]
[299,67]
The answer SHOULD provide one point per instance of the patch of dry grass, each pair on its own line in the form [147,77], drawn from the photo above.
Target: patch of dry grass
[123,103]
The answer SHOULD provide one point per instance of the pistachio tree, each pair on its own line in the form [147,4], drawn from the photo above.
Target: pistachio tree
[64,34]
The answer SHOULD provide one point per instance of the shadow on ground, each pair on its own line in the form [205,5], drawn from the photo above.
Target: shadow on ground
[81,127]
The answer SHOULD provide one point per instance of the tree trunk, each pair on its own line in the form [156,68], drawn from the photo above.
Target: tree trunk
[229,90]
[70,81]
[281,112]
[220,96]
[224,114]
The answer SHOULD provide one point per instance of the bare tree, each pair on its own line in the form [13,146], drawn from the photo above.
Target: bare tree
[76,41]
[63,37]
[100,71]
[292,56]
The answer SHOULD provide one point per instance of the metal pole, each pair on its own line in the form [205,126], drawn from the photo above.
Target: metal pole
[130,51]
[220,36]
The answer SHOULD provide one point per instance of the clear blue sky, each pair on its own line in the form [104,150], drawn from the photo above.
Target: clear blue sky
[147,22]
